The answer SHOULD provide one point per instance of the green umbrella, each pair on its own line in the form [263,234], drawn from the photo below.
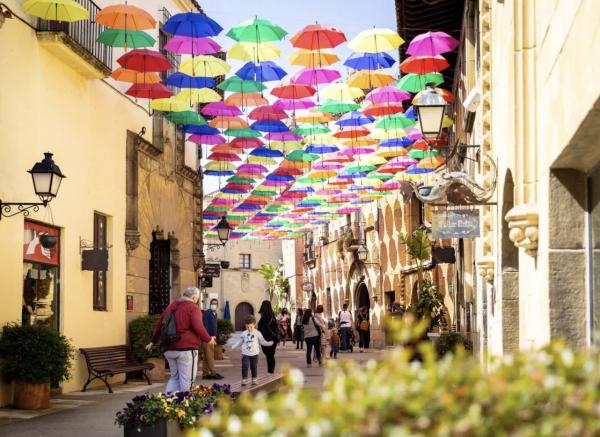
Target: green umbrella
[263,193]
[311,129]
[238,85]
[338,106]
[256,30]
[301,156]
[236,217]
[420,154]
[132,39]
[186,117]
[276,208]
[380,176]
[245,228]
[417,82]
[308,181]
[357,168]
[216,209]
[240,180]
[393,122]
[243,133]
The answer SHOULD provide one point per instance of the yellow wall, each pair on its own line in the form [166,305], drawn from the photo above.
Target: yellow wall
[45,105]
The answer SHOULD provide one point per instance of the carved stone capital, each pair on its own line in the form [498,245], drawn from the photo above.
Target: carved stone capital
[132,240]
[523,224]
[486,269]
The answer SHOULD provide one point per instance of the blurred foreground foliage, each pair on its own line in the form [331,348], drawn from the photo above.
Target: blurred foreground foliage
[550,392]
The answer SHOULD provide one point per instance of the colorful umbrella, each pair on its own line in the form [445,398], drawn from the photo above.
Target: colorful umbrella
[379,109]
[185,45]
[192,24]
[181,80]
[246,100]
[207,139]
[186,117]
[243,133]
[125,38]
[424,64]
[256,30]
[125,16]
[144,60]
[149,91]
[245,51]
[375,40]
[266,71]
[56,10]
[314,116]
[338,106]
[396,121]
[318,36]
[369,61]
[220,108]
[267,112]
[291,90]
[387,94]
[204,66]
[307,58]
[132,76]
[366,79]
[223,122]
[293,104]
[246,143]
[431,44]
[236,84]
[418,82]
[301,156]
[354,118]
[311,129]
[269,126]
[198,95]
[315,76]
[170,104]
[342,91]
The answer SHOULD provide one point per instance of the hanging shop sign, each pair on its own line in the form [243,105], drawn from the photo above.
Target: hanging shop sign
[455,223]
[41,243]
[206,282]
[211,270]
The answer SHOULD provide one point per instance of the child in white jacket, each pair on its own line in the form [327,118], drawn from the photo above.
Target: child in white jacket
[250,340]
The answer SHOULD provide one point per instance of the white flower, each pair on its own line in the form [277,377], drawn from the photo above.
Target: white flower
[296,377]
[260,417]
[234,425]
[205,433]
[567,357]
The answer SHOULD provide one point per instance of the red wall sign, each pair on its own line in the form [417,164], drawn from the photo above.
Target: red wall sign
[32,248]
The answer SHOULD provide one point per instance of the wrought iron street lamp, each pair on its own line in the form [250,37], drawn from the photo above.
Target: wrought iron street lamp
[223,230]
[431,110]
[362,253]
[46,177]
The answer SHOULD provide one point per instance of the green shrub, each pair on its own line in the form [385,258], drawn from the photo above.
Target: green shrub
[550,392]
[429,305]
[224,331]
[140,331]
[35,353]
[449,342]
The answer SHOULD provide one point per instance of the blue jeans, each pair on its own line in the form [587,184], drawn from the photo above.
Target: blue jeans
[334,351]
[252,362]
[346,335]
[183,366]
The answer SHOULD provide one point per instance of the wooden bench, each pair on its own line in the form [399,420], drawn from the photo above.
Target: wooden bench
[266,383]
[104,362]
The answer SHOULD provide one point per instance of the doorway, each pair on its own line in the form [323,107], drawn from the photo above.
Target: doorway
[160,275]
[362,296]
[242,310]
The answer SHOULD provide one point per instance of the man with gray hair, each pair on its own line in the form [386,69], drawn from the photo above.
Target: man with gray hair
[181,350]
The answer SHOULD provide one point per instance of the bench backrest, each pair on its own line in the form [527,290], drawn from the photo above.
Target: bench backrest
[108,356]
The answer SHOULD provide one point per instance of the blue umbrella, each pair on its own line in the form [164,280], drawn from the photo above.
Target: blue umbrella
[413,169]
[410,113]
[269,126]
[321,149]
[246,207]
[396,142]
[218,173]
[355,118]
[265,152]
[181,80]
[266,71]
[369,61]
[200,130]
[227,312]
[192,24]
[280,177]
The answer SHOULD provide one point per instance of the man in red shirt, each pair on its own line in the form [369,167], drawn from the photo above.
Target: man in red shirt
[182,354]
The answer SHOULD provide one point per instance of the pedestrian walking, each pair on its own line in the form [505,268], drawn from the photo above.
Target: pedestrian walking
[208,350]
[269,328]
[284,323]
[320,318]
[334,342]
[364,326]
[249,340]
[345,325]
[299,330]
[180,331]
[312,336]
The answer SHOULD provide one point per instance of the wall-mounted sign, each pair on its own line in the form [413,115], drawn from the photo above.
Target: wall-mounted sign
[94,260]
[35,248]
[211,270]
[308,287]
[455,223]
[130,302]
[206,282]
[443,255]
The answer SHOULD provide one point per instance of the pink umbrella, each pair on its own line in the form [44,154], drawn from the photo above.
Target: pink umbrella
[327,166]
[224,201]
[185,45]
[387,94]
[351,151]
[267,112]
[431,44]
[347,210]
[282,136]
[246,143]
[389,185]
[315,76]
[207,139]
[293,104]
[220,108]
[252,168]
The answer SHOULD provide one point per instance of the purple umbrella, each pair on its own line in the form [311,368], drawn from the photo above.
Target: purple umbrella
[351,151]
[315,76]
[431,44]
[220,108]
[327,166]
[387,94]
[283,136]
[185,45]
[252,168]
[293,104]
[207,139]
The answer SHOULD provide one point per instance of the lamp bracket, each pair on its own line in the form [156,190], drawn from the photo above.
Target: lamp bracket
[6,208]
[89,245]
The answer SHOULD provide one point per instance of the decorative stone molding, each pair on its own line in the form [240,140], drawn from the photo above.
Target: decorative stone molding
[486,269]
[523,224]
[132,240]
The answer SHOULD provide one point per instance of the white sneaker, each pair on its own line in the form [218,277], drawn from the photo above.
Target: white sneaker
[244,382]
[254,381]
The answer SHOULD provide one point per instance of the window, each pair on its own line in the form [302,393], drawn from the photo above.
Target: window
[416,213]
[245,261]
[99,276]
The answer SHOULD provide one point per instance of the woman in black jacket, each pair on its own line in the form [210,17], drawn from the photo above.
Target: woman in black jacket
[269,328]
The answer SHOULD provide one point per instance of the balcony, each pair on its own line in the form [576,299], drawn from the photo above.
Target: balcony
[75,43]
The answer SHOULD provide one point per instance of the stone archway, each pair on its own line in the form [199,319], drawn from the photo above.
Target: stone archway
[362,296]
[242,310]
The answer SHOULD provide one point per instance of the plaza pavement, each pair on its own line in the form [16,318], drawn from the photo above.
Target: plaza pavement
[92,414]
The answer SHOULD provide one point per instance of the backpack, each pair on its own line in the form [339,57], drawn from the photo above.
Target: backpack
[364,325]
[168,330]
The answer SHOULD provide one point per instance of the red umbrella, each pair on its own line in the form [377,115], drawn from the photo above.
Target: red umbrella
[352,133]
[220,156]
[144,60]
[424,64]
[149,91]
[267,112]
[379,109]
[290,90]
[318,36]
[246,143]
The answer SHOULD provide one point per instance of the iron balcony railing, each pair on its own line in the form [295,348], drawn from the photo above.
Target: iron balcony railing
[85,33]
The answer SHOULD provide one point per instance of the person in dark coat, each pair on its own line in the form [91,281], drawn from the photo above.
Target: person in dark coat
[269,328]
[299,330]
[208,350]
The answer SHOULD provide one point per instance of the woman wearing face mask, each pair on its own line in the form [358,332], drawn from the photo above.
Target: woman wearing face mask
[208,350]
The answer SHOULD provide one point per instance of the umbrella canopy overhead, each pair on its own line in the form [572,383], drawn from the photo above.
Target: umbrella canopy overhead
[125,16]
[192,24]
[257,30]
[56,10]
[376,40]
[318,36]
[185,45]
[132,39]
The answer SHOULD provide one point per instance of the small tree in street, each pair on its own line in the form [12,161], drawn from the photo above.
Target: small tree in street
[278,284]
[419,248]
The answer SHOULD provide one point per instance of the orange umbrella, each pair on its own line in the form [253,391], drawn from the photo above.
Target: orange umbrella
[314,116]
[355,133]
[379,109]
[224,148]
[125,17]
[223,122]
[132,76]
[246,100]
[313,58]
[358,142]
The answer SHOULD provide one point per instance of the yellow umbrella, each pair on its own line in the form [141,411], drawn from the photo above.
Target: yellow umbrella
[375,40]
[359,142]
[365,79]
[401,176]
[261,160]
[320,139]
[382,134]
[434,162]
[56,10]
[204,66]
[341,91]
[231,196]
[391,152]
[317,174]
[250,51]
[198,95]
[372,160]
[313,58]
[285,146]
[170,104]
[314,116]
[219,166]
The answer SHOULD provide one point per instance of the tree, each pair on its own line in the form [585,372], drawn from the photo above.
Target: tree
[419,248]
[278,284]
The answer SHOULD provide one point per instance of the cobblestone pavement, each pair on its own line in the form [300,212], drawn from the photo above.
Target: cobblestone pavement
[91,414]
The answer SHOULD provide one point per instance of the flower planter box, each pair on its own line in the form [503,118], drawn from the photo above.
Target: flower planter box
[30,396]
[158,429]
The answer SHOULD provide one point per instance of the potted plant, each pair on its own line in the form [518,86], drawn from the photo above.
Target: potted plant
[429,306]
[140,332]
[224,331]
[151,415]
[34,356]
